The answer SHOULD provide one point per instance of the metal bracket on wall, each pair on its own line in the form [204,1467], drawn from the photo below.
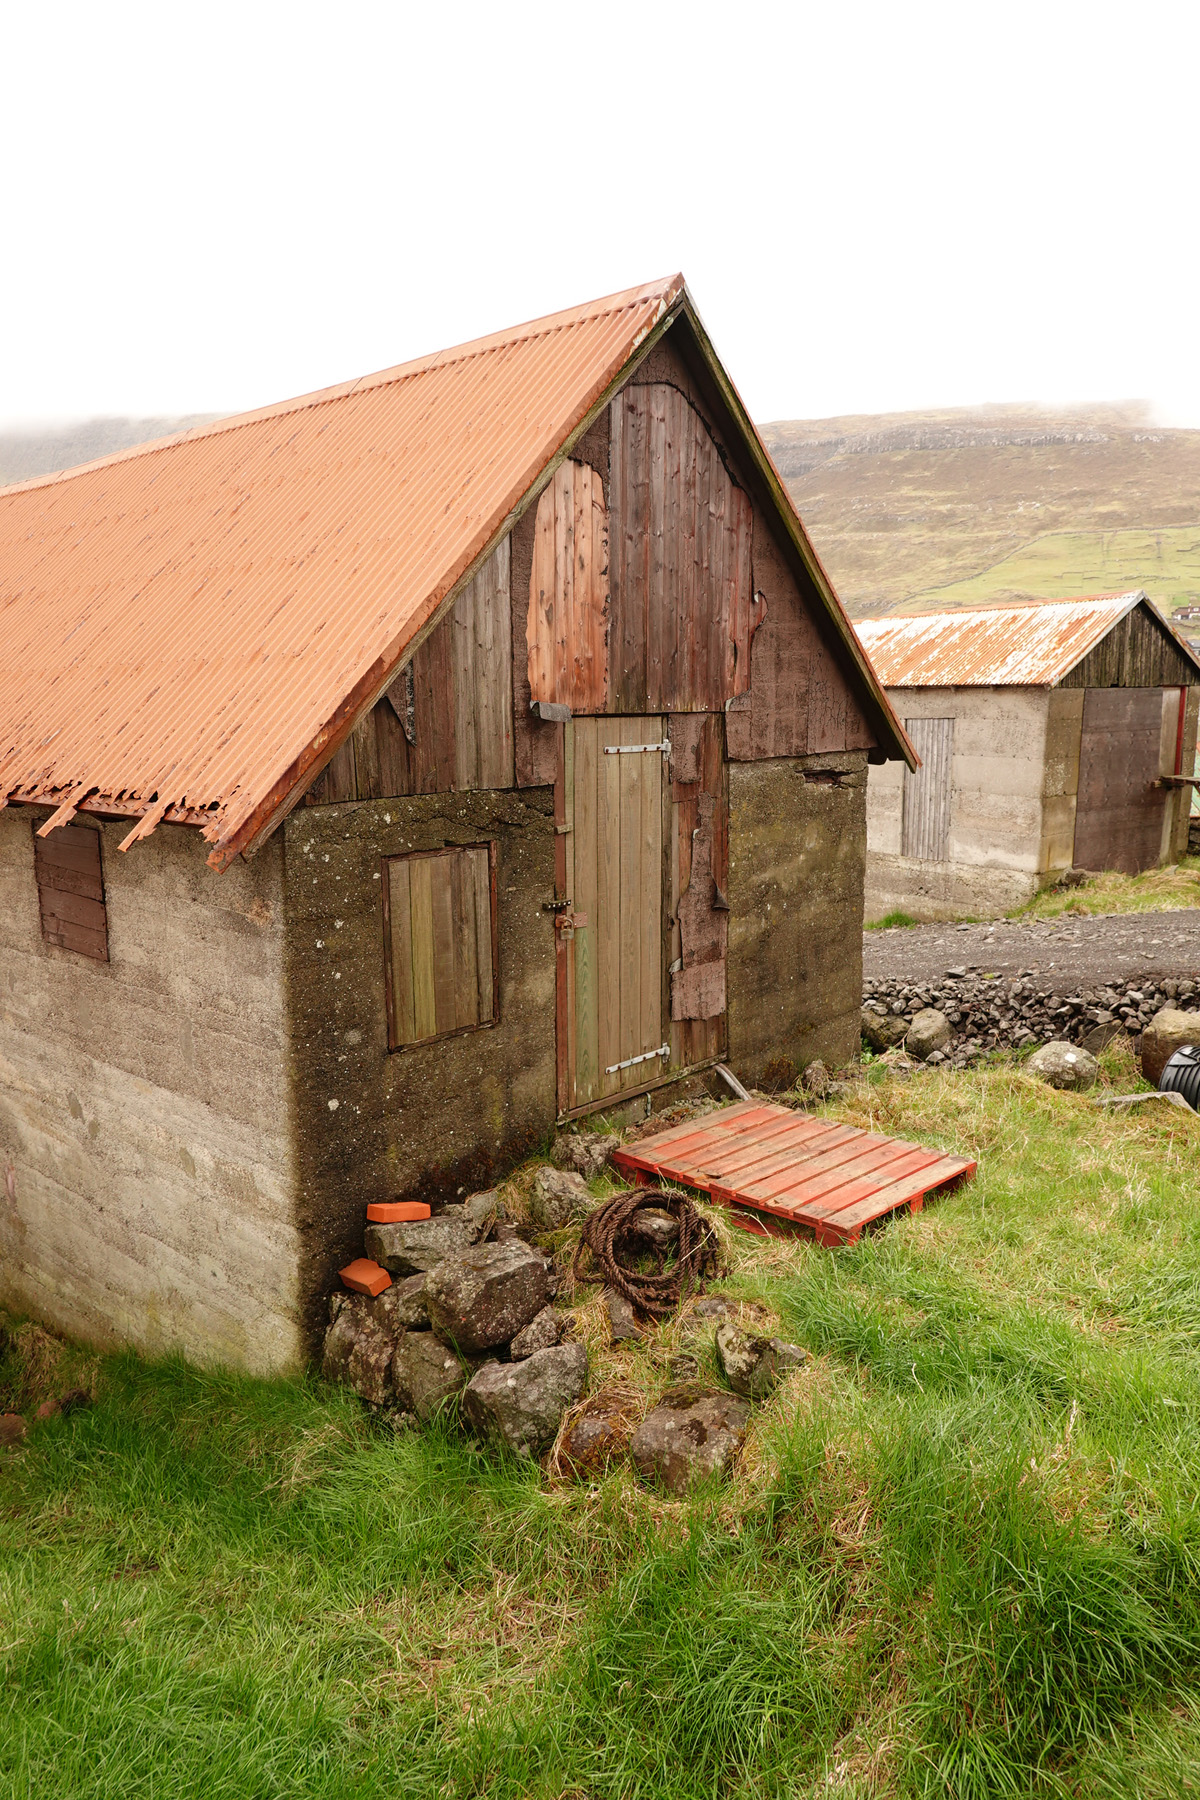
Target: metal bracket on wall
[636,749]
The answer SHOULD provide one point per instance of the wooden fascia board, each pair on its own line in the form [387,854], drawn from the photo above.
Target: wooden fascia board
[370,689]
[779,503]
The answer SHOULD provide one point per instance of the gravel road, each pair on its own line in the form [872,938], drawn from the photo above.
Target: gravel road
[1078,951]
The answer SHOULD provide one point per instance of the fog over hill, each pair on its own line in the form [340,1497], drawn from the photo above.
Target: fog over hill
[955,506]
[29,450]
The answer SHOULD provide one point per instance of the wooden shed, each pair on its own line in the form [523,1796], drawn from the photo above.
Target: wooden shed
[1051,735]
[487,747]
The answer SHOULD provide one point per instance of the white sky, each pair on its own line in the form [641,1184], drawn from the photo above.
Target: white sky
[877,206]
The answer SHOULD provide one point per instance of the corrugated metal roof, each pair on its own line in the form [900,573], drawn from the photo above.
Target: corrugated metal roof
[1002,646]
[186,623]
[189,627]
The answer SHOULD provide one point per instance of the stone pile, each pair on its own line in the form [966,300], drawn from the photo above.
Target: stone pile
[986,1012]
[471,1322]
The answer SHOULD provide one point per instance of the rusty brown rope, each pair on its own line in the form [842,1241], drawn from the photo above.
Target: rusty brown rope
[614,1248]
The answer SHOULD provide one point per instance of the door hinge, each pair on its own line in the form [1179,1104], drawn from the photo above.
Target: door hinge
[646,1056]
[636,750]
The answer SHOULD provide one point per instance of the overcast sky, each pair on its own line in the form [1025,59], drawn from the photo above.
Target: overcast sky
[877,206]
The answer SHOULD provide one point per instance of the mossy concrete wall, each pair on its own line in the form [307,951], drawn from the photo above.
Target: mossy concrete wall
[797,840]
[429,1119]
[146,1181]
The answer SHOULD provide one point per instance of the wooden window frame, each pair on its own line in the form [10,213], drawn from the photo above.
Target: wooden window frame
[51,878]
[439,1037]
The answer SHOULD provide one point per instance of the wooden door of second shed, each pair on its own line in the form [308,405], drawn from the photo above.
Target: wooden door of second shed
[1119,811]
[612,1012]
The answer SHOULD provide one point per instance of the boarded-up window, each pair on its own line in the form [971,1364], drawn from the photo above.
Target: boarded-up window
[440,940]
[926,832]
[70,884]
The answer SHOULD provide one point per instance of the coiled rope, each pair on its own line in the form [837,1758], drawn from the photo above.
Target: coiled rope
[614,1248]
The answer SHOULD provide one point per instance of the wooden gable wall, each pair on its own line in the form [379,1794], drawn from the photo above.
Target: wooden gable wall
[645,580]
[1139,651]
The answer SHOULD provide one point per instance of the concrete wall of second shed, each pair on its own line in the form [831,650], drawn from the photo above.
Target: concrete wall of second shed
[796,852]
[998,807]
[430,1119]
[146,1185]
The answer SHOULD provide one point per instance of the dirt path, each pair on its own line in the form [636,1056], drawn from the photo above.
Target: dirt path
[1082,952]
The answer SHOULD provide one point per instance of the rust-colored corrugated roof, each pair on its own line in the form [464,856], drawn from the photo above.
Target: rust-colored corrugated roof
[188,627]
[186,619]
[1001,646]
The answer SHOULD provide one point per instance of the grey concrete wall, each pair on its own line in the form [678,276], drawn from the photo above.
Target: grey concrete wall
[147,1191]
[423,1121]
[796,852]
[997,809]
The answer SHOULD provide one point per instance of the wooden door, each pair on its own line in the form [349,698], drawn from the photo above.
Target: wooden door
[1118,810]
[613,1033]
[928,791]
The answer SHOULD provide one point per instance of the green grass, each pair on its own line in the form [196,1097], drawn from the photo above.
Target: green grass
[889,920]
[960,1557]
[1157,890]
[1060,565]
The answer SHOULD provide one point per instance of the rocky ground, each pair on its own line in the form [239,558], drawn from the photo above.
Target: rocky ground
[1016,983]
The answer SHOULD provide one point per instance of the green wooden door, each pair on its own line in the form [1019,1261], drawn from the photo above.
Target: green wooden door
[613,1016]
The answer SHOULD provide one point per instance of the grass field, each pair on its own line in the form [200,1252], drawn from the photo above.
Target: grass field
[960,1556]
[1156,890]
[1063,564]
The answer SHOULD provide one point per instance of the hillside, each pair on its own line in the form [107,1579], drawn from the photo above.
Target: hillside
[913,510]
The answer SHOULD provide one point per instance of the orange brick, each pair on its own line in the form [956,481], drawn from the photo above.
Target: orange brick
[363,1276]
[390,1212]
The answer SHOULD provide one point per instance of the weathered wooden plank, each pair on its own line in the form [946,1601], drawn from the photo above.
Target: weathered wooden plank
[442,907]
[366,759]
[928,791]
[608,901]
[484,873]
[630,957]
[651,774]
[465,939]
[392,752]
[586,904]
[403,1022]
[423,981]
[567,621]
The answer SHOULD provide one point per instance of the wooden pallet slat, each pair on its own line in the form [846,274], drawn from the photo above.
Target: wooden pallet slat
[779,1170]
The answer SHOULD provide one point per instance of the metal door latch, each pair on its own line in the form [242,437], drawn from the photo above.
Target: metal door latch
[646,1056]
[568,922]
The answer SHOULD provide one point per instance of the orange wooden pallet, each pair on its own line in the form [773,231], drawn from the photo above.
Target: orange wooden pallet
[792,1169]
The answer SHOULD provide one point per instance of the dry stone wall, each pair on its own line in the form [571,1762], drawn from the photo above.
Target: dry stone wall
[988,1012]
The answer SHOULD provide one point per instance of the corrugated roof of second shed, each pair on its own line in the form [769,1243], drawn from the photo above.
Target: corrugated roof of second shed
[186,620]
[1001,646]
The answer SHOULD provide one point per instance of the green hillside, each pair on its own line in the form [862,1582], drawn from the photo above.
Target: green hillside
[1063,564]
[953,507]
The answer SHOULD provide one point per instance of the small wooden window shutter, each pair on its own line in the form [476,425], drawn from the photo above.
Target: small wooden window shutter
[440,943]
[70,881]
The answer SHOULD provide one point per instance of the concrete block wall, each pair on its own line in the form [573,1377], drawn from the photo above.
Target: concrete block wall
[146,1180]
[997,808]
[796,857]
[425,1120]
